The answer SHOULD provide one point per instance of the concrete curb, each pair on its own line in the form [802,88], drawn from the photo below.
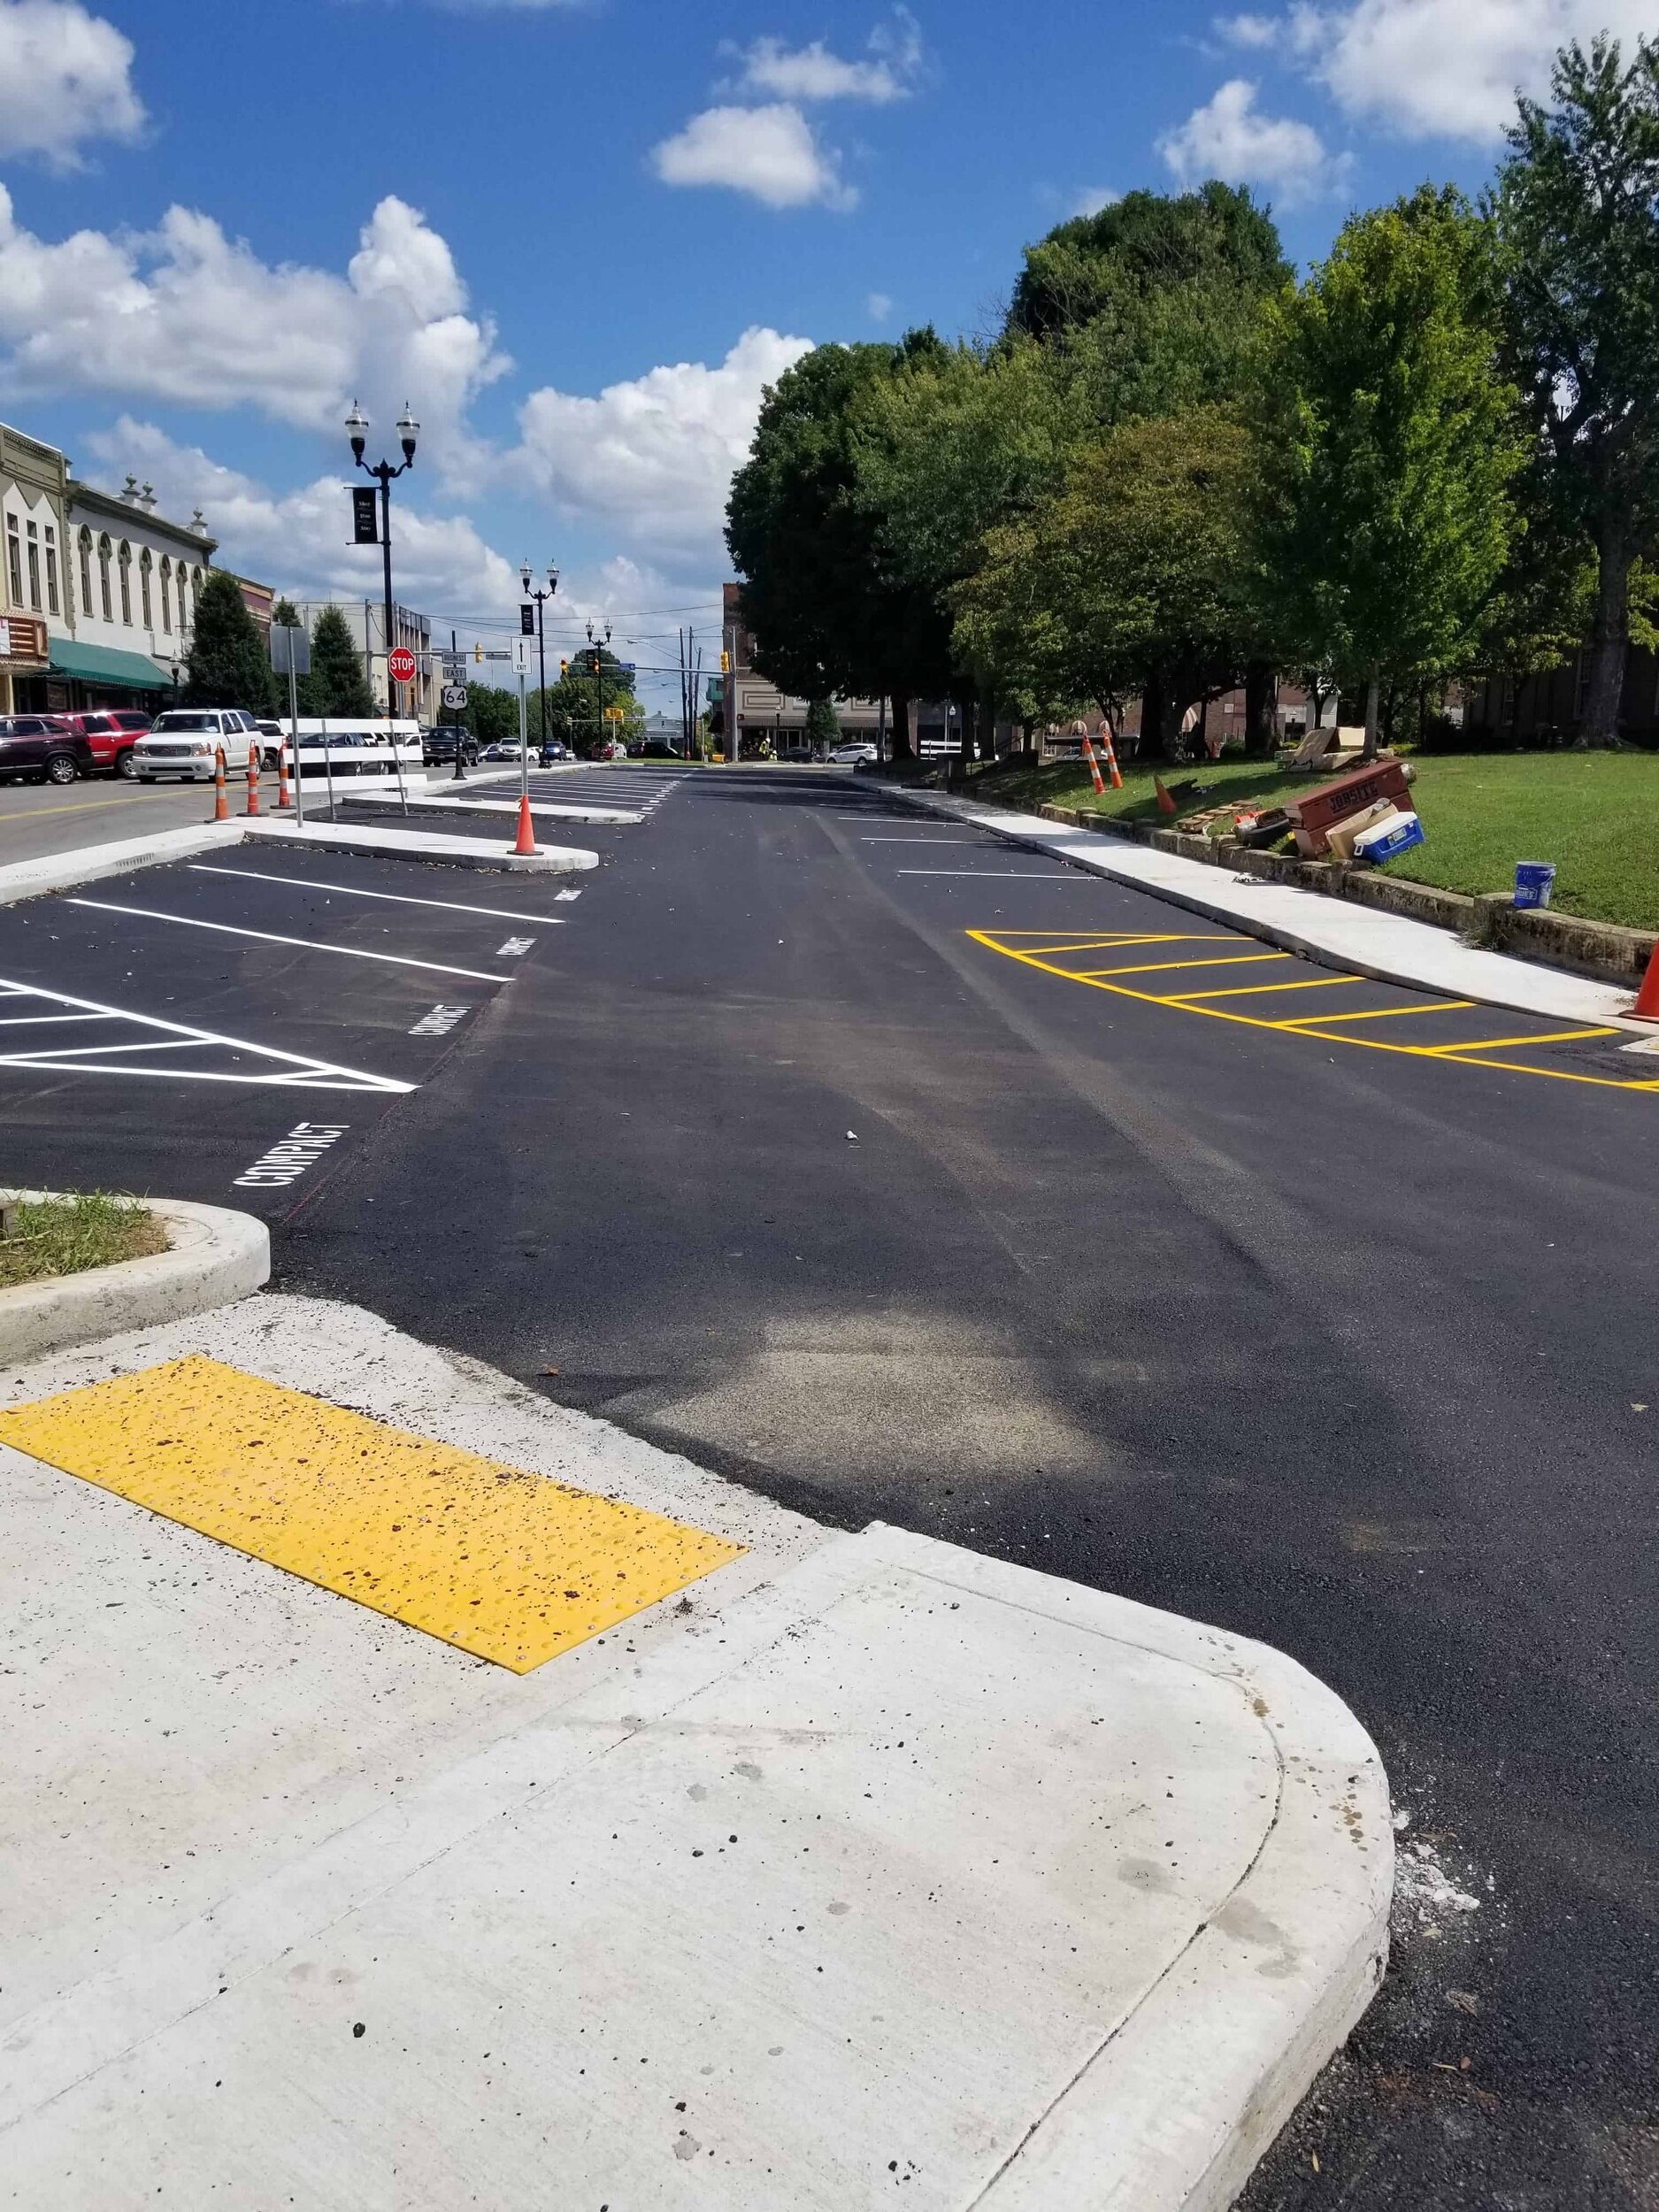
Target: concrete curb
[1390,948]
[215,1256]
[508,807]
[962,1926]
[427,845]
[57,871]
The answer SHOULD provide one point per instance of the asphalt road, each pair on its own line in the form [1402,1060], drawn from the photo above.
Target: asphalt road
[817,1139]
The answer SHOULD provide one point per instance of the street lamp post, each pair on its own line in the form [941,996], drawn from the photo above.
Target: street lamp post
[383,473]
[540,598]
[599,673]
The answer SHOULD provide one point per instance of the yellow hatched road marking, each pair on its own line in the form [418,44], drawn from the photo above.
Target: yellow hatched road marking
[1261,990]
[1125,944]
[1160,967]
[1382,1013]
[1101,980]
[1491,1044]
[511,1566]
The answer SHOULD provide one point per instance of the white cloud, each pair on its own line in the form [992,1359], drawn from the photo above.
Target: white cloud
[186,315]
[1429,68]
[878,306]
[1230,138]
[1251,30]
[298,541]
[654,457]
[769,152]
[1093,198]
[813,72]
[65,76]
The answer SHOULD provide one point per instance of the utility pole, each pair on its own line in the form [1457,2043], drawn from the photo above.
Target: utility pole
[598,652]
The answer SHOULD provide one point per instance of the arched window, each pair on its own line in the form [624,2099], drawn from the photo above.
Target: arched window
[104,580]
[126,558]
[143,589]
[166,594]
[86,570]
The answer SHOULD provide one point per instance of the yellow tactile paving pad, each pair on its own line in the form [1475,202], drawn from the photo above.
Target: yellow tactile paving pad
[508,1565]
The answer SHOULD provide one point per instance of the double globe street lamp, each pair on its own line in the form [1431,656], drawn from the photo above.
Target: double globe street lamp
[383,473]
[540,598]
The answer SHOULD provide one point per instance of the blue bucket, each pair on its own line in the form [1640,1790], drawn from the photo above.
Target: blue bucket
[1534,880]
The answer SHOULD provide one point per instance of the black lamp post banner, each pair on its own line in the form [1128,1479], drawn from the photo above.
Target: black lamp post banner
[365,526]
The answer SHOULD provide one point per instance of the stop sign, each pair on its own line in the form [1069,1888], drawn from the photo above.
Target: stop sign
[401,664]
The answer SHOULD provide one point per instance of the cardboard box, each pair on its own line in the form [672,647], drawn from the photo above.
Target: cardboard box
[1340,835]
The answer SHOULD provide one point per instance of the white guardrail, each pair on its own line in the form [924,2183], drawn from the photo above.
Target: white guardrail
[363,753]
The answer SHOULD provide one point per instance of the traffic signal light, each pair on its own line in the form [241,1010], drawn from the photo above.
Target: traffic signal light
[564,670]
[726,664]
[478,653]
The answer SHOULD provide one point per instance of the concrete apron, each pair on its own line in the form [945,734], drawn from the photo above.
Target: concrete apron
[865,1862]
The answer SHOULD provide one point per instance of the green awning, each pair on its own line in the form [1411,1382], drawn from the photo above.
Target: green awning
[105,664]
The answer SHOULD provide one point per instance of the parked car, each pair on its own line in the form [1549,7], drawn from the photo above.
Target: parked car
[185,742]
[111,732]
[553,751]
[439,745]
[42,748]
[657,748]
[505,748]
[857,752]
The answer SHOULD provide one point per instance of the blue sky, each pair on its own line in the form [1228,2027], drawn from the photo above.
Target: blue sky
[580,234]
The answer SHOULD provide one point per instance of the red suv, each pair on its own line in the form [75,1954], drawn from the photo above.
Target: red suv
[111,732]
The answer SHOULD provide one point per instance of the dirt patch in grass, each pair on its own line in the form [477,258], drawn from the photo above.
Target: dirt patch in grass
[67,1235]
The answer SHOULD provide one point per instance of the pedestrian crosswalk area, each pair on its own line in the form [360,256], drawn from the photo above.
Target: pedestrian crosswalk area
[638,790]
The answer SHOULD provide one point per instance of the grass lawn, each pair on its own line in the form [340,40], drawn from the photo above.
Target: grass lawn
[1595,815]
[63,1236]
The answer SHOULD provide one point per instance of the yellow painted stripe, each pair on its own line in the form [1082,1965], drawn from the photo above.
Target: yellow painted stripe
[1309,1027]
[1160,967]
[1384,1013]
[1123,944]
[505,1564]
[1261,990]
[1491,1044]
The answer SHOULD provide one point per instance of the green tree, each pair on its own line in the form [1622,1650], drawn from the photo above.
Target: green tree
[828,612]
[1147,243]
[229,663]
[1139,576]
[1391,445]
[1577,208]
[337,683]
[823,724]
[491,714]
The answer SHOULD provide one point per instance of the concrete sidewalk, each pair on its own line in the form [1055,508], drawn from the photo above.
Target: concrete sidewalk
[1392,948]
[864,1864]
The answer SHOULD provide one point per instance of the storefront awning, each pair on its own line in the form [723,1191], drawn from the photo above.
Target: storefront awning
[105,664]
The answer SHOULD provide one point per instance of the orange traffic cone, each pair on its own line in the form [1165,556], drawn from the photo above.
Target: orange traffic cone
[253,779]
[1094,767]
[222,797]
[1646,1006]
[1166,805]
[284,796]
[524,850]
[1111,756]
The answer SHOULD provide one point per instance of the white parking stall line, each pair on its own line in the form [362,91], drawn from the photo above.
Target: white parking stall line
[304,944]
[356,891]
[38,1021]
[288,1071]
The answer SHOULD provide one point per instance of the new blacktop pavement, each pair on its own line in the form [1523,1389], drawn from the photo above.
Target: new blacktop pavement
[862,1864]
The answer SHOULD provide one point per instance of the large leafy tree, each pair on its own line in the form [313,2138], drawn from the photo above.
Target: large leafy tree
[1138,575]
[829,614]
[1577,208]
[1147,243]
[229,663]
[1391,447]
